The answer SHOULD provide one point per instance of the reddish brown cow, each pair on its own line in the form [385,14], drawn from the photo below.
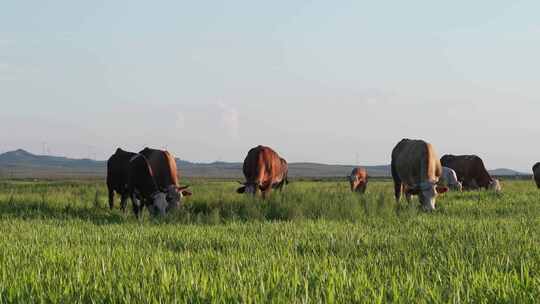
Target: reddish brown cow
[166,175]
[358,180]
[536,173]
[263,170]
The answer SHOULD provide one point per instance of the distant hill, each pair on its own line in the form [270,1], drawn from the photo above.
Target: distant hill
[506,172]
[23,164]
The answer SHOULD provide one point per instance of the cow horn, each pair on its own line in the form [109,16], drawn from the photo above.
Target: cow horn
[182,188]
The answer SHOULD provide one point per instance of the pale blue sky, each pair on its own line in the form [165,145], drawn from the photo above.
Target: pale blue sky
[319,81]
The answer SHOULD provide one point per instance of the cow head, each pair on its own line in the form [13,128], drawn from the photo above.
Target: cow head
[159,204]
[354,181]
[175,195]
[495,185]
[427,194]
[458,186]
[249,188]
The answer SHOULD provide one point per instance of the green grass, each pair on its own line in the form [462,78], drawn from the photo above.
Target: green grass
[315,242]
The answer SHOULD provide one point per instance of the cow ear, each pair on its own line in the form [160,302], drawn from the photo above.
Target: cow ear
[186,193]
[241,190]
[441,190]
[181,188]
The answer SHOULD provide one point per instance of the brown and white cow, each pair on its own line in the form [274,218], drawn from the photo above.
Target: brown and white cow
[143,189]
[536,174]
[263,170]
[358,179]
[166,175]
[471,172]
[416,169]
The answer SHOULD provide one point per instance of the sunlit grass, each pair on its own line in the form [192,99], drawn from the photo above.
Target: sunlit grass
[315,242]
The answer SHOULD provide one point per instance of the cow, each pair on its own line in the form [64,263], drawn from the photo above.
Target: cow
[471,172]
[117,176]
[416,170]
[536,174]
[166,175]
[285,180]
[263,170]
[449,178]
[358,179]
[143,189]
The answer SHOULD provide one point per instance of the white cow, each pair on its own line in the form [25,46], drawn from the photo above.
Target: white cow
[449,178]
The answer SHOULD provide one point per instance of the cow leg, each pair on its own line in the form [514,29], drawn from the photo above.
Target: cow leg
[111,198]
[123,202]
[398,185]
[364,188]
[266,192]
[137,208]
[397,191]
[408,197]
[280,186]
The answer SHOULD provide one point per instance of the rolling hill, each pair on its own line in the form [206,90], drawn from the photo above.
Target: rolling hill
[23,164]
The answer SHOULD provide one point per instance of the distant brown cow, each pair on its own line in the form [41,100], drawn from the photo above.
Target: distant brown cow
[416,170]
[263,170]
[358,180]
[471,172]
[536,173]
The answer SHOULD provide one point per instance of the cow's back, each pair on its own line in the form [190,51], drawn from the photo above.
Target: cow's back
[263,166]
[163,166]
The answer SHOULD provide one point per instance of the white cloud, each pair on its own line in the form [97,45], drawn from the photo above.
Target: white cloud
[372,101]
[230,120]
[372,97]
[180,120]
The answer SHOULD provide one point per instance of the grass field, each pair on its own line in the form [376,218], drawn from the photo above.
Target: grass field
[315,242]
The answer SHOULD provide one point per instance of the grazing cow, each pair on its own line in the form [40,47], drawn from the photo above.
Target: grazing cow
[471,172]
[285,180]
[142,187]
[449,178]
[416,170]
[117,176]
[263,170]
[358,180]
[166,176]
[536,173]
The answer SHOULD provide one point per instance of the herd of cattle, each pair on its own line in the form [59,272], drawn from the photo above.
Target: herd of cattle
[150,178]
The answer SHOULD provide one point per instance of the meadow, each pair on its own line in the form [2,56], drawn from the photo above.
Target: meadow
[314,243]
